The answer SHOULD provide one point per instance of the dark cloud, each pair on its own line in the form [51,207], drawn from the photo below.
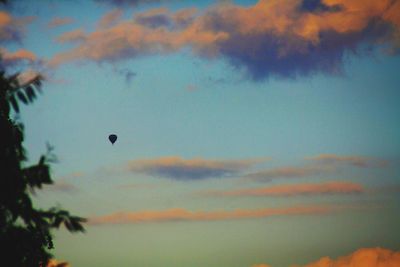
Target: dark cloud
[12,29]
[155,18]
[190,169]
[318,6]
[125,3]
[126,73]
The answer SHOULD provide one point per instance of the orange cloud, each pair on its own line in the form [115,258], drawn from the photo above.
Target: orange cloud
[261,265]
[21,57]
[272,37]
[296,189]
[179,214]
[358,161]
[56,22]
[110,18]
[72,36]
[17,56]
[364,257]
[56,263]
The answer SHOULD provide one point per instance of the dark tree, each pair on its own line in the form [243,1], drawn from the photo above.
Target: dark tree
[25,231]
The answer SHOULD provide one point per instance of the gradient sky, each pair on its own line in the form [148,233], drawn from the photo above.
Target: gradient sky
[249,133]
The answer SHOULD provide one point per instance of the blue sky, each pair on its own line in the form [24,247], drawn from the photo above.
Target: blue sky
[203,115]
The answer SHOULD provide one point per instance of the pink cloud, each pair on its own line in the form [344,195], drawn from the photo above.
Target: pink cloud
[179,214]
[358,161]
[290,172]
[295,190]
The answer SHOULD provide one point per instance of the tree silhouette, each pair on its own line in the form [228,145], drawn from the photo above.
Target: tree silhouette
[25,231]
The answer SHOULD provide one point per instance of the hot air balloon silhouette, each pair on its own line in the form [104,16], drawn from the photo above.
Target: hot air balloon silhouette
[112,138]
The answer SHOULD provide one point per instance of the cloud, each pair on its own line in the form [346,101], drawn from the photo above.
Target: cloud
[261,265]
[56,22]
[358,161]
[125,3]
[364,257]
[190,169]
[336,187]
[286,38]
[110,18]
[17,57]
[61,186]
[27,75]
[72,36]
[12,29]
[126,73]
[191,88]
[179,214]
[129,39]
[289,172]
[386,189]
[154,18]
[21,59]
[56,263]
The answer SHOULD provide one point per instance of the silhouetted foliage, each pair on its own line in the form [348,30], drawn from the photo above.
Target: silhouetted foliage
[25,231]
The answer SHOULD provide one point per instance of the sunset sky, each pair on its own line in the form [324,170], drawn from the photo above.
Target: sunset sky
[250,133]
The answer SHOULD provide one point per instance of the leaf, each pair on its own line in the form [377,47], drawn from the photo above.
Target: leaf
[30,93]
[68,225]
[14,104]
[57,221]
[22,97]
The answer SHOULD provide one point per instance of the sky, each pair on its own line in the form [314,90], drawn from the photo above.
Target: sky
[250,133]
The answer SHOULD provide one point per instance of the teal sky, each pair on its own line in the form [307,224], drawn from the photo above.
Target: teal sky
[308,153]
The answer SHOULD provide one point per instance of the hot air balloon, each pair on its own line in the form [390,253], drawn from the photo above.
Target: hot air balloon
[112,138]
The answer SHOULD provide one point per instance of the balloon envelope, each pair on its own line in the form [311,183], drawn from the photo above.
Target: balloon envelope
[112,138]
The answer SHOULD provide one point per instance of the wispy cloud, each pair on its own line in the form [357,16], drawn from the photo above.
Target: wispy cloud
[110,18]
[127,3]
[318,165]
[336,187]
[61,186]
[191,169]
[179,214]
[12,29]
[72,36]
[17,57]
[358,161]
[273,37]
[57,22]
[289,172]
